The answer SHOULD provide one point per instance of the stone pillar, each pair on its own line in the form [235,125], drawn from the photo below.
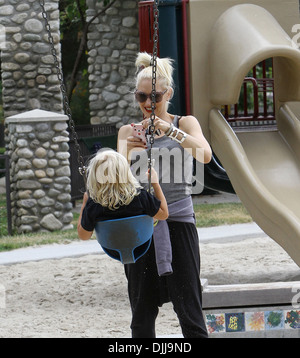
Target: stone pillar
[29,78]
[37,143]
[113,41]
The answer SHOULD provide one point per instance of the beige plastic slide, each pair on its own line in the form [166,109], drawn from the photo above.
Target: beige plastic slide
[263,166]
[264,169]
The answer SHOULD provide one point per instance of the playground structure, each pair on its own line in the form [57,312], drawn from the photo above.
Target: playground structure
[263,165]
[222,42]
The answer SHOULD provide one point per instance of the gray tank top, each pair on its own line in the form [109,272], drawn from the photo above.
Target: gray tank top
[173,164]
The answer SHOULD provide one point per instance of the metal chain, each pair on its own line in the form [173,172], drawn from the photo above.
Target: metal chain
[153,93]
[67,109]
[154,68]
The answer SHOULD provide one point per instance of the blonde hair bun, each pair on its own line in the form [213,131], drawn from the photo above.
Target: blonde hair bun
[164,69]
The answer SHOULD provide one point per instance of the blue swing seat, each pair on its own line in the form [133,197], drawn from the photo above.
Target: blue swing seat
[125,239]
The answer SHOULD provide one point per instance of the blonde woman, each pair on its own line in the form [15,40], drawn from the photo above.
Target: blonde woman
[115,193]
[183,138]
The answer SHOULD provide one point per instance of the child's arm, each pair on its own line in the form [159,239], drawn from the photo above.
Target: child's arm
[163,211]
[82,233]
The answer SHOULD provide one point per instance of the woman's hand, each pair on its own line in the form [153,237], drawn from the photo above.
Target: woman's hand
[159,124]
[134,142]
[195,142]
[128,143]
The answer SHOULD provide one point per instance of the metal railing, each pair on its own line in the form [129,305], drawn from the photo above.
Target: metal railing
[256,104]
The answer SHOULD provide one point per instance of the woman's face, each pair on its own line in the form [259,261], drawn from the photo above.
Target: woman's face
[145,87]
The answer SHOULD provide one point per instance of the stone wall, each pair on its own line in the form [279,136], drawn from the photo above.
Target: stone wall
[28,76]
[113,41]
[37,143]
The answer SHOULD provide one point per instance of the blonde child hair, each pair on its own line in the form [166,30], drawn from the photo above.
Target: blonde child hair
[164,70]
[110,181]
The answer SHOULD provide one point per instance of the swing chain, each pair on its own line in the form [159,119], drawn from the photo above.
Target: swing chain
[67,109]
[154,68]
[153,92]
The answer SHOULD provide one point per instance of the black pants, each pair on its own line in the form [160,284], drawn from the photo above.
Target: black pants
[147,291]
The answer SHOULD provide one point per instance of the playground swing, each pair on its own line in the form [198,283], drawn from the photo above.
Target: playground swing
[125,239]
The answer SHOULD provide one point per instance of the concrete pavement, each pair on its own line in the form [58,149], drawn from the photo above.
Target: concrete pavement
[226,233]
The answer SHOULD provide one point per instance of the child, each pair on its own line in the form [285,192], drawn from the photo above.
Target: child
[115,193]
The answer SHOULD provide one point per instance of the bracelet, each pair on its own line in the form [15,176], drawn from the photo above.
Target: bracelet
[168,132]
[173,133]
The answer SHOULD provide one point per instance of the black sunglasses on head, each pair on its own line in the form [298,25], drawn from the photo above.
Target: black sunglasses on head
[142,97]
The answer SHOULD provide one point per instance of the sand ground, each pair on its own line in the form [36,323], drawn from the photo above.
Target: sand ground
[87,296]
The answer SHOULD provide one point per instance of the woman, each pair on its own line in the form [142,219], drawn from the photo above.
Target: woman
[147,289]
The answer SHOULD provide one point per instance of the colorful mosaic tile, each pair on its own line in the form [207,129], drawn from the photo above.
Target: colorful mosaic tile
[252,321]
[235,322]
[274,320]
[292,319]
[215,323]
[255,321]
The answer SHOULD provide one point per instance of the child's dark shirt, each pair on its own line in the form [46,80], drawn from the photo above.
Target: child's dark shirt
[143,203]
